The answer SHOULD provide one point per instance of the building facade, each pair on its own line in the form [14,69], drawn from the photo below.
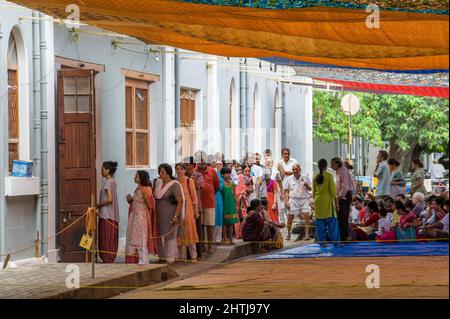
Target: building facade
[80,96]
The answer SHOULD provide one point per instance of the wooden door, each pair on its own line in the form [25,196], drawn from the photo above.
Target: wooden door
[187,118]
[77,173]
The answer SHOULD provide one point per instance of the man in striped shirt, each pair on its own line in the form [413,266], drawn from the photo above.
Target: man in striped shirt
[344,190]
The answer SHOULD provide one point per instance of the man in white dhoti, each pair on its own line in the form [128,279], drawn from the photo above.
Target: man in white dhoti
[297,195]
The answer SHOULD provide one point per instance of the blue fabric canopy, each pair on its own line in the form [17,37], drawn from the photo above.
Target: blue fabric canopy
[364,249]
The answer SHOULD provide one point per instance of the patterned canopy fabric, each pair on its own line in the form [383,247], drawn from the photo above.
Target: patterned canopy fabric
[440,92]
[426,6]
[412,37]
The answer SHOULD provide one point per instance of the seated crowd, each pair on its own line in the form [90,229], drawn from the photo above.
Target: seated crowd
[400,219]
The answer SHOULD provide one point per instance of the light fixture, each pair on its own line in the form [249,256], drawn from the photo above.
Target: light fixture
[157,56]
[260,64]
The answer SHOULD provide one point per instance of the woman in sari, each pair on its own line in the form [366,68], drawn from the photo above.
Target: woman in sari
[398,182]
[272,180]
[188,235]
[141,228]
[418,178]
[243,191]
[169,198]
[258,228]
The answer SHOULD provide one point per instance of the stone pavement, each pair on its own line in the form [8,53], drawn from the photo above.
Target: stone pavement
[49,280]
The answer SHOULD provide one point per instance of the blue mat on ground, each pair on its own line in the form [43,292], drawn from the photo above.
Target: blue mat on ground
[363,249]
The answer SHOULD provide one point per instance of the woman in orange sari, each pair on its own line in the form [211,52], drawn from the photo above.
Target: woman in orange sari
[141,229]
[188,235]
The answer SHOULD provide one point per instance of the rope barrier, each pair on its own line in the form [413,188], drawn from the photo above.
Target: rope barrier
[53,236]
[91,221]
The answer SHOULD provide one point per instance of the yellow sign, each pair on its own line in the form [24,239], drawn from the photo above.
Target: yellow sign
[86,242]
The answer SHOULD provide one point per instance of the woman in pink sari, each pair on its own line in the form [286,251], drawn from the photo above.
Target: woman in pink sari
[242,192]
[142,227]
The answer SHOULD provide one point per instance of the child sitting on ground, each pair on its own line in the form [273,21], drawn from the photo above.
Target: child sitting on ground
[366,230]
[384,223]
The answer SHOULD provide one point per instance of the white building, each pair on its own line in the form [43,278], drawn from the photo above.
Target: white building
[71,100]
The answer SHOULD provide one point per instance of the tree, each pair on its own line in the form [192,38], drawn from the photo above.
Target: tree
[411,125]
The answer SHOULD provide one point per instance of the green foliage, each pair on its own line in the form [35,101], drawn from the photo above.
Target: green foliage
[406,120]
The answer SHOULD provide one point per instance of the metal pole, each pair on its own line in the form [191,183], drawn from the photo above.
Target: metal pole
[350,137]
[44,146]
[37,124]
[94,246]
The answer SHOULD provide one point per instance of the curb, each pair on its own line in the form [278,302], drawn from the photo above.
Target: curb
[105,288]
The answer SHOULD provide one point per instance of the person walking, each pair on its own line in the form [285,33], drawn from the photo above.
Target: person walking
[169,211]
[297,197]
[383,189]
[141,229]
[344,191]
[108,223]
[325,205]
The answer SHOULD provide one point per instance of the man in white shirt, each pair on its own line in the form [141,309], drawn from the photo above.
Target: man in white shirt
[437,171]
[285,169]
[287,163]
[297,188]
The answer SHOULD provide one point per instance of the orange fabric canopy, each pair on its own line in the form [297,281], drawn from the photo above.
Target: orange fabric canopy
[323,35]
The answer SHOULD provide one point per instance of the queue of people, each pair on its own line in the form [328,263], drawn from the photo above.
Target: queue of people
[212,201]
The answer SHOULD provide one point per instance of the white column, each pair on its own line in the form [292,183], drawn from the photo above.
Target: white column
[168,82]
[214,140]
[304,131]
[308,131]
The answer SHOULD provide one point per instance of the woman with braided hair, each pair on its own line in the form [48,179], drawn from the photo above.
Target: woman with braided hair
[325,205]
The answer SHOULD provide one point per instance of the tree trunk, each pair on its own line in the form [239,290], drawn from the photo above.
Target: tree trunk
[417,152]
[404,157]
